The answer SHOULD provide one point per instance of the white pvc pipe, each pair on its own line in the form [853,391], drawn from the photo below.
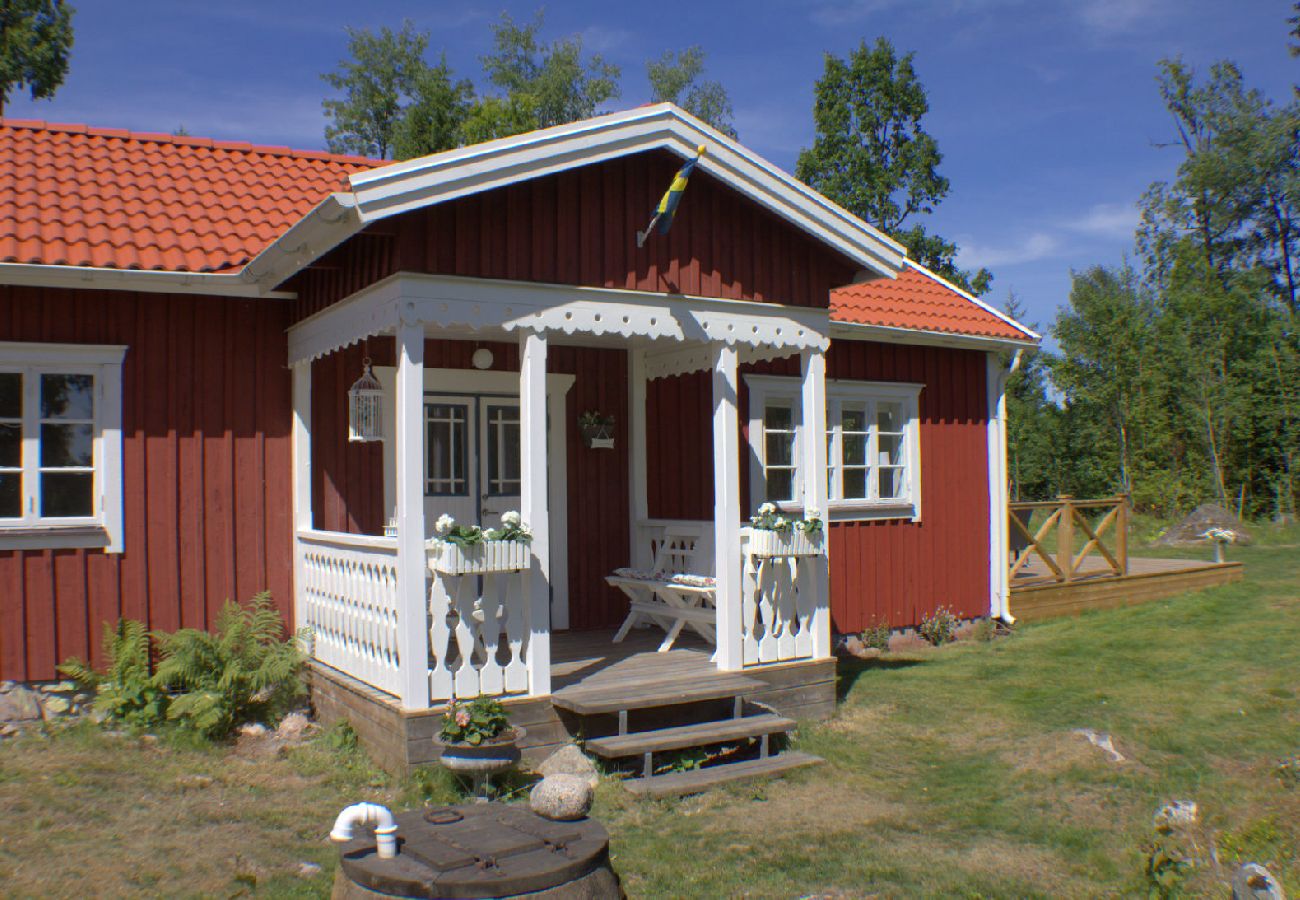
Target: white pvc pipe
[368,814]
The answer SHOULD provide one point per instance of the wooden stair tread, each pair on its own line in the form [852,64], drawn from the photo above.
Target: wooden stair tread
[700,735]
[586,701]
[678,783]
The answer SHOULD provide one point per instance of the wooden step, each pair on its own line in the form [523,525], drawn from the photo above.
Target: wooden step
[701,735]
[678,783]
[650,694]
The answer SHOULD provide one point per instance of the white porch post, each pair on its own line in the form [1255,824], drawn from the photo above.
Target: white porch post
[412,559]
[639,502]
[999,493]
[302,514]
[726,507]
[535,509]
[814,573]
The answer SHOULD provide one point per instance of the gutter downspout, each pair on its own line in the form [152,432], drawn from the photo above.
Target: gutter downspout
[999,536]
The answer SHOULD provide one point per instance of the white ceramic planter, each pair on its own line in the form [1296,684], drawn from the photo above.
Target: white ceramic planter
[487,556]
[784,543]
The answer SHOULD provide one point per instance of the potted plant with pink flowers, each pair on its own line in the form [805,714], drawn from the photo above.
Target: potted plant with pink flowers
[477,739]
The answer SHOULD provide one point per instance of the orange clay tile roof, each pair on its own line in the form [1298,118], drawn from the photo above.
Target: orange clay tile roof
[918,301]
[77,196]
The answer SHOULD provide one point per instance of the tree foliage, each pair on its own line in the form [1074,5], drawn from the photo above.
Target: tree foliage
[436,117]
[872,155]
[35,43]
[676,77]
[378,79]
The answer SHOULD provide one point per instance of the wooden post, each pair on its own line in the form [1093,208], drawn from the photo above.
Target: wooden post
[726,507]
[302,514]
[813,368]
[412,559]
[1065,537]
[535,508]
[1121,535]
[639,504]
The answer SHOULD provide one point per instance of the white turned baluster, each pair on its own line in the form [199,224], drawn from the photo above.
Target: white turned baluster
[517,631]
[491,680]
[467,681]
[441,685]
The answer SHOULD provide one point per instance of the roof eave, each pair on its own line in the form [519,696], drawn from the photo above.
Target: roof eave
[855,331]
[328,224]
[143,280]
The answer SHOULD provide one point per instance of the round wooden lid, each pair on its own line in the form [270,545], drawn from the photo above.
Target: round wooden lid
[478,850]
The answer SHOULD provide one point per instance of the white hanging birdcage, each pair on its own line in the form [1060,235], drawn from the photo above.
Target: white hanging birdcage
[365,407]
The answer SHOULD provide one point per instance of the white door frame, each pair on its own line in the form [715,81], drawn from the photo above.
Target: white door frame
[476,381]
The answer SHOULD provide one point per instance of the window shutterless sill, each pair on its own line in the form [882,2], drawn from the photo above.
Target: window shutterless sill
[859,512]
[52,537]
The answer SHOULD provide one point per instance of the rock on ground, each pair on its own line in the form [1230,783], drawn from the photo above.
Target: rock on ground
[1254,882]
[293,727]
[569,760]
[561,797]
[1179,813]
[1206,516]
[20,704]
[1102,741]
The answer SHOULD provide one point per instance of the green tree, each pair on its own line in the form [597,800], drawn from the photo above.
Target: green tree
[435,118]
[35,42]
[872,156]
[676,78]
[381,75]
[551,83]
[1029,421]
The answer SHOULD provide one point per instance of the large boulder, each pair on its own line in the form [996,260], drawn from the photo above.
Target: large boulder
[20,704]
[561,797]
[1191,530]
[570,760]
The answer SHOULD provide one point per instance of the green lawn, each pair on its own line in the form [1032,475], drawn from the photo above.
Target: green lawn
[950,773]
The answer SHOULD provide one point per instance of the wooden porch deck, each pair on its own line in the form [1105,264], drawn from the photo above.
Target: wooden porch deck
[1036,594]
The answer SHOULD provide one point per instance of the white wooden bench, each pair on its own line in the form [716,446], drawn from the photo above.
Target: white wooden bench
[678,590]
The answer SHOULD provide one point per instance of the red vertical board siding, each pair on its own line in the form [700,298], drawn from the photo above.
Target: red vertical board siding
[205,397]
[579,227]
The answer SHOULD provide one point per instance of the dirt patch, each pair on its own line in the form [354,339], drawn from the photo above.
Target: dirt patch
[807,807]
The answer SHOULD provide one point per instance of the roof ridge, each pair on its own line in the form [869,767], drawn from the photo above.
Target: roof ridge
[187,141]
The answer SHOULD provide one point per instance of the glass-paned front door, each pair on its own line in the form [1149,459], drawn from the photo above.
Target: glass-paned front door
[472,460]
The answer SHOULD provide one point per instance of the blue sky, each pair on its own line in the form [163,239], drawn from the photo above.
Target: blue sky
[1046,112]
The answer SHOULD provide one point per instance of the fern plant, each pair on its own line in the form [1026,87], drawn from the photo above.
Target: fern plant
[126,692]
[243,671]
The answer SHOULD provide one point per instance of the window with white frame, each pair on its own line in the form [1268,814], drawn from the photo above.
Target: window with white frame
[60,446]
[872,446]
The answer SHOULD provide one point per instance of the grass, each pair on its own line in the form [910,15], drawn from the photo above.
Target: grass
[950,772]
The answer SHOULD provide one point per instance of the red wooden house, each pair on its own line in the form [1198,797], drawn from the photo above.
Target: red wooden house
[181,321]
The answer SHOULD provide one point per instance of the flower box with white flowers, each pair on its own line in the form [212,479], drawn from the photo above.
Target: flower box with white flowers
[773,535]
[469,550]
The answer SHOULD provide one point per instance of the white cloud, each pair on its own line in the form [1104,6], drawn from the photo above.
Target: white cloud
[1107,220]
[1033,246]
[1111,17]
[602,39]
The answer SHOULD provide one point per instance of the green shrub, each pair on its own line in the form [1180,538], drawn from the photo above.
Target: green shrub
[244,671]
[125,693]
[939,627]
[876,636]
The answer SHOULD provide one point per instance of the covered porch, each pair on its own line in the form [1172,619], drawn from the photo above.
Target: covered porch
[383,616]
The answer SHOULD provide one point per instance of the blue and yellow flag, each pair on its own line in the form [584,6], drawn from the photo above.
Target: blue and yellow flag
[667,208]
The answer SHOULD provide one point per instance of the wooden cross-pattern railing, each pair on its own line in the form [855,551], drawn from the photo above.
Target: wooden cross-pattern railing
[1065,514]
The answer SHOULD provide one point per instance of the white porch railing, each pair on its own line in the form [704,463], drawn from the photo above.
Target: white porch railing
[479,643]
[348,596]
[780,596]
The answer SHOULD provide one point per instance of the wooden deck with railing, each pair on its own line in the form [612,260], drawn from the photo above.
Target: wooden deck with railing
[1071,555]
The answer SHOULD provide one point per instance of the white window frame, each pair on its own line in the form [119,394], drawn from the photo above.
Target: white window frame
[104,527]
[765,389]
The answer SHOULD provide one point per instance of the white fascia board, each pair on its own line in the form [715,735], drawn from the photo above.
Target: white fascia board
[445,176]
[328,224]
[850,331]
[1035,336]
[142,280]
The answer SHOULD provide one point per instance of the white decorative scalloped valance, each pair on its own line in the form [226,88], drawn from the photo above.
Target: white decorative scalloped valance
[759,330]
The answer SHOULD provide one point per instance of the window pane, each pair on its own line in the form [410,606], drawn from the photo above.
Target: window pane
[11,446]
[446,443]
[67,445]
[855,449]
[11,395]
[855,484]
[67,396]
[503,450]
[778,418]
[11,495]
[780,484]
[780,449]
[891,483]
[889,416]
[853,419]
[890,448]
[67,494]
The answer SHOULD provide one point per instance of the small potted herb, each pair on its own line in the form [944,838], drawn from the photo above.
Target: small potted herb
[477,739]
[597,430]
